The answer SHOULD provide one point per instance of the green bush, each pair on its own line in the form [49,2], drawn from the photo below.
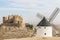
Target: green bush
[29,26]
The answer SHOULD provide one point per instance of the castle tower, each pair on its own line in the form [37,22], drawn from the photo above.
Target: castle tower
[5,19]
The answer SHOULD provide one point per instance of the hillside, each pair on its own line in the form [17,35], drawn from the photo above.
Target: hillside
[9,32]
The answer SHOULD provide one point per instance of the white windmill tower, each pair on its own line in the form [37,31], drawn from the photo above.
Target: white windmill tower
[45,26]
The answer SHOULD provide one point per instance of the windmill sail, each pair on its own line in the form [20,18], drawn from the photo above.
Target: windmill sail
[40,16]
[54,14]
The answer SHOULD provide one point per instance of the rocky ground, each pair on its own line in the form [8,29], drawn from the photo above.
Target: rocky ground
[15,32]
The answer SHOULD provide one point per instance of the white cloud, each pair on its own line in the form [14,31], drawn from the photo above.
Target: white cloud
[24,1]
[11,9]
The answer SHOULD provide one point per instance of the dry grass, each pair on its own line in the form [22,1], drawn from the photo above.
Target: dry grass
[15,33]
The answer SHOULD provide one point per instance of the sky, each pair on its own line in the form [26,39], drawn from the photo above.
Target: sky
[28,9]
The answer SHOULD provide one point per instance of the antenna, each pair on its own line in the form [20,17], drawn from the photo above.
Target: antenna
[54,14]
[40,15]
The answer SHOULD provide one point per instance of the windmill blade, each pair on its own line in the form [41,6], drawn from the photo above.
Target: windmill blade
[40,15]
[54,14]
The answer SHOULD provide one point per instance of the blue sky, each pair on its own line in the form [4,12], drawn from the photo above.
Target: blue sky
[28,9]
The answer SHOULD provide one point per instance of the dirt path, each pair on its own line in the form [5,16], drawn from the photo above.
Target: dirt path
[38,38]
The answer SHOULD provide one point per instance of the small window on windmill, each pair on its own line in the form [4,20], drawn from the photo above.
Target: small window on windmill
[44,27]
[40,27]
[44,33]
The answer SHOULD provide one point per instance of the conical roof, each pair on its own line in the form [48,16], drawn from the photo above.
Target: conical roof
[44,22]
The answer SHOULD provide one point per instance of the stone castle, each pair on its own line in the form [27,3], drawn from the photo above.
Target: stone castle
[13,20]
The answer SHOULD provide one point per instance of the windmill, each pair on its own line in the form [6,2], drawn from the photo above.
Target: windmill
[45,26]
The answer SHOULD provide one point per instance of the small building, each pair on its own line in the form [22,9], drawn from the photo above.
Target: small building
[44,29]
